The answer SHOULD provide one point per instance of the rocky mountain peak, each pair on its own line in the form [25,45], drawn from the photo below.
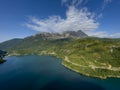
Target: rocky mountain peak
[66,34]
[75,34]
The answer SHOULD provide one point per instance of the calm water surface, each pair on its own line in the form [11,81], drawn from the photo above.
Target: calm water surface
[47,73]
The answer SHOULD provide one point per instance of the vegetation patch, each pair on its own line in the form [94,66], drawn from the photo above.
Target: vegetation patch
[95,57]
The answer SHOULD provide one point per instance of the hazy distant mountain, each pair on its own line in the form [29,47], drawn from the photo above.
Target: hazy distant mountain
[35,40]
[10,43]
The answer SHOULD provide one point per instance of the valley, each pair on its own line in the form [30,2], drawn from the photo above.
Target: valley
[90,56]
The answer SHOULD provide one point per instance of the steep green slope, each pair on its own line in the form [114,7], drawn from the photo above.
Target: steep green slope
[95,57]
[10,43]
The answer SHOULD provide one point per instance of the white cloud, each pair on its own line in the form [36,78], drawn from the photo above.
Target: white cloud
[64,1]
[115,35]
[99,16]
[75,3]
[104,34]
[75,20]
[105,3]
[98,34]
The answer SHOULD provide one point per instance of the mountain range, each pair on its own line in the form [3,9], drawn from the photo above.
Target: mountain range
[42,36]
[90,56]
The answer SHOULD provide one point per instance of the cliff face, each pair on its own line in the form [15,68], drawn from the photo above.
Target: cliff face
[38,39]
[75,34]
[67,34]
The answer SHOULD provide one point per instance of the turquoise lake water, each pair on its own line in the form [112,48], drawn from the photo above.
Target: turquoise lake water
[47,73]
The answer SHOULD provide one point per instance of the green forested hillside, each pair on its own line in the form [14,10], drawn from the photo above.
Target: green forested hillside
[95,57]
[10,43]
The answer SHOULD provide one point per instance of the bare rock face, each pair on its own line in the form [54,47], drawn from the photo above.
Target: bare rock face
[67,34]
[75,34]
[42,36]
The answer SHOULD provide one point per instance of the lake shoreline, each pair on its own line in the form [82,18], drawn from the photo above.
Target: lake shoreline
[2,61]
[35,72]
[54,55]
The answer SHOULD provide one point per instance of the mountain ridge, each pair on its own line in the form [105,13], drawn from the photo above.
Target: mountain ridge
[90,56]
[42,36]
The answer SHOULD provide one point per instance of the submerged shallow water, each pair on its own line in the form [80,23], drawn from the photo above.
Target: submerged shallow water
[47,73]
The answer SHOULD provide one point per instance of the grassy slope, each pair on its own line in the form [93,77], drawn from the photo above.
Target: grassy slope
[89,56]
[10,43]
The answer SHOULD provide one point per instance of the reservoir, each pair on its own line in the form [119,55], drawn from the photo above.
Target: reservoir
[32,72]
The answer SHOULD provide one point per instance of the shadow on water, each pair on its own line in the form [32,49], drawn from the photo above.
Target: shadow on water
[74,85]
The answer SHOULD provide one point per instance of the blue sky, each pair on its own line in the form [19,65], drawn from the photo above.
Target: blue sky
[21,18]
